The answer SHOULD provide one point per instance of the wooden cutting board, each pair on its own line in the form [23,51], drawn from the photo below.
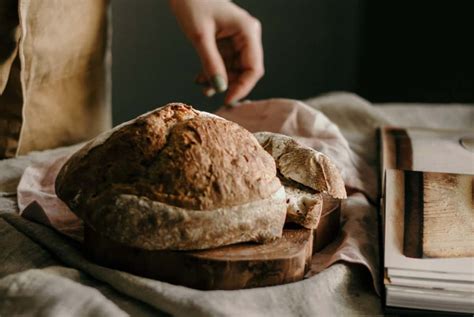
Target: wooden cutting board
[244,265]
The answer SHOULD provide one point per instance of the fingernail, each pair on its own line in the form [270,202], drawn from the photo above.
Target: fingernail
[232,104]
[209,91]
[219,83]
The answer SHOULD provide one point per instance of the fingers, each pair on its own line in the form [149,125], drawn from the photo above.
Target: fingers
[241,87]
[236,61]
[251,63]
[211,59]
[202,80]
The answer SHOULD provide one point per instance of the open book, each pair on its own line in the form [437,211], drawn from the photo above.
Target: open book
[427,217]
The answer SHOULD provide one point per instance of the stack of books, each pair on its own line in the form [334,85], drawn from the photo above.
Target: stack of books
[427,219]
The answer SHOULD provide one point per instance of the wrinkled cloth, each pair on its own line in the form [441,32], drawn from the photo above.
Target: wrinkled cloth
[35,253]
[36,191]
[309,127]
[54,75]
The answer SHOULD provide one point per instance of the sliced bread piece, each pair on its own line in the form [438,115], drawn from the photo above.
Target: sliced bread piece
[303,205]
[303,164]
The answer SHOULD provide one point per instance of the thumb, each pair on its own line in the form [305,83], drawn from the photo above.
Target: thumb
[211,60]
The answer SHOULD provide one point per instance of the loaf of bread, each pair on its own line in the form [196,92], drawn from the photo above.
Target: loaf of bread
[176,179]
[307,176]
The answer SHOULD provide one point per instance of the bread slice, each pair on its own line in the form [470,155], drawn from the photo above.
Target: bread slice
[303,204]
[307,176]
[303,164]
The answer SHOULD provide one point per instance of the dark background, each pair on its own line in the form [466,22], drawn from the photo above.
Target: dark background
[386,51]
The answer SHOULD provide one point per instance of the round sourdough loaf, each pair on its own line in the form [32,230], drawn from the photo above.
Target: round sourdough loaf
[178,179]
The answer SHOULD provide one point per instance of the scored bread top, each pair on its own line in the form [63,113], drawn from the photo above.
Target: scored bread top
[174,155]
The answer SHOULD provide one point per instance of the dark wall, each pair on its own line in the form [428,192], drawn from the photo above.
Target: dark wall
[310,47]
[417,51]
[385,51]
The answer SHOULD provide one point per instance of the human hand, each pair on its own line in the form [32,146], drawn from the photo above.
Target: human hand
[228,42]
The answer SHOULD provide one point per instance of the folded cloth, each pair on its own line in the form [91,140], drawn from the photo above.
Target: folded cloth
[356,243]
[311,128]
[38,202]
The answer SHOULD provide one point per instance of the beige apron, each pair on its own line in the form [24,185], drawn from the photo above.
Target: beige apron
[54,73]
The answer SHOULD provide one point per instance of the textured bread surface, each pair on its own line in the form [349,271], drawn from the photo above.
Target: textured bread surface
[304,205]
[152,225]
[303,164]
[172,157]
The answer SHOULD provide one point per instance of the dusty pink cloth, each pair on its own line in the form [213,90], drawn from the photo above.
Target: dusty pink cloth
[357,241]
[309,127]
[37,199]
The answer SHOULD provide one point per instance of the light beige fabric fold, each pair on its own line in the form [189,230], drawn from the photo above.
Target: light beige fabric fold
[9,37]
[56,81]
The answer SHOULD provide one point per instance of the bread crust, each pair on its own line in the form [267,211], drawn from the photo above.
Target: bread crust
[173,158]
[303,164]
[151,225]
[224,166]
